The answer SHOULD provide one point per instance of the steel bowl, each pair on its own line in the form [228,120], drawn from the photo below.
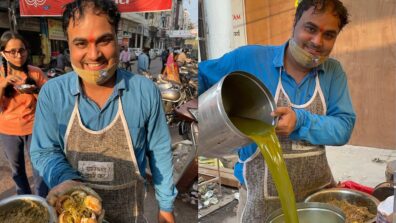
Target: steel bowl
[42,201]
[90,191]
[311,212]
[351,196]
[24,86]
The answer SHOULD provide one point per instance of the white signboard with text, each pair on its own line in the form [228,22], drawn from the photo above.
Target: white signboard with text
[238,24]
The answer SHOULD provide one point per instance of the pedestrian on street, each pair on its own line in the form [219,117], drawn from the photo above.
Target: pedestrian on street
[313,105]
[164,57]
[143,61]
[125,58]
[96,125]
[61,60]
[17,107]
[182,58]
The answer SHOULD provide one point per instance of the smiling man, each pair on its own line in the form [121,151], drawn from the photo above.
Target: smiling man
[96,125]
[313,105]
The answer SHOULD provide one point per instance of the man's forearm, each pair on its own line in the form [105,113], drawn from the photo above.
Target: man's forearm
[323,129]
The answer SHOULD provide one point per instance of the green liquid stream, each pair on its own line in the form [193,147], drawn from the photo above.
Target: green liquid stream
[265,138]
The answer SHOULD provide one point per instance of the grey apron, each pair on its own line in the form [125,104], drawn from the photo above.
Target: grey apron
[107,162]
[306,163]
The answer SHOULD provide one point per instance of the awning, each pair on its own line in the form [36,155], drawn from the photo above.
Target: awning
[55,7]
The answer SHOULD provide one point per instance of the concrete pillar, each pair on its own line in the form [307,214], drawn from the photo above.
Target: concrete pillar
[136,39]
[219,24]
[141,38]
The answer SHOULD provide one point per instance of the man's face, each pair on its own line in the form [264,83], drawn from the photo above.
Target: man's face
[317,32]
[92,42]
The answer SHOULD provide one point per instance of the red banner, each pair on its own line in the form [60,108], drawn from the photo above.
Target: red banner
[55,7]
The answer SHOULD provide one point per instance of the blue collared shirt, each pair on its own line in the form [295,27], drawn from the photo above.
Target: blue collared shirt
[144,114]
[143,62]
[265,62]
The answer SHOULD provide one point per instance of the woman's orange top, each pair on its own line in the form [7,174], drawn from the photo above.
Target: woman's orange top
[17,112]
[172,70]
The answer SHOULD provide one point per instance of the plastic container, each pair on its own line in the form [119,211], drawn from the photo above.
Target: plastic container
[385,210]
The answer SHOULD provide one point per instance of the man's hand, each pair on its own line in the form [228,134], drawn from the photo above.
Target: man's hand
[166,217]
[60,189]
[286,122]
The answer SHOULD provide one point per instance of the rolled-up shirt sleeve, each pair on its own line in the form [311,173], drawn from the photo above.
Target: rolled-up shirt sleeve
[334,128]
[160,154]
[47,155]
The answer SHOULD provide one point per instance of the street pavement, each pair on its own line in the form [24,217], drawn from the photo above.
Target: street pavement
[184,212]
[155,66]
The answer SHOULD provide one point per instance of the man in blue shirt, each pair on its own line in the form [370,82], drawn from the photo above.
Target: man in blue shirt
[96,125]
[313,105]
[143,61]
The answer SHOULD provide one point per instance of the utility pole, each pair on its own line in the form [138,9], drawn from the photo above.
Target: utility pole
[12,15]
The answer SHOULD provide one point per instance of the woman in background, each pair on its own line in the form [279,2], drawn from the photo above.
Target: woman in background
[19,87]
[171,71]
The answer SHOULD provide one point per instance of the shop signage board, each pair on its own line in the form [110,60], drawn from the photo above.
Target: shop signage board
[55,30]
[55,7]
[180,34]
[238,24]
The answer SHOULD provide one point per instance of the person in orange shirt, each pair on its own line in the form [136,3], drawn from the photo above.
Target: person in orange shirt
[19,87]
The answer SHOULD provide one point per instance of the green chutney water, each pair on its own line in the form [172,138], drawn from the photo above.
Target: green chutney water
[265,137]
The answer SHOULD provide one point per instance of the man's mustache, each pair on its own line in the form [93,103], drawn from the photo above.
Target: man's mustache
[314,46]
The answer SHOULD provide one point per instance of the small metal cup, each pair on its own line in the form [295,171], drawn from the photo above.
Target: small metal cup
[236,94]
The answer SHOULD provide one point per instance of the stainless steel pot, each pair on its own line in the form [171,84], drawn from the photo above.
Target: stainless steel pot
[42,201]
[311,213]
[236,94]
[351,196]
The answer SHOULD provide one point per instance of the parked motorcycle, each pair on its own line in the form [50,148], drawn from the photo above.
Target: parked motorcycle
[186,115]
[189,78]
[175,94]
[181,108]
[53,72]
[172,96]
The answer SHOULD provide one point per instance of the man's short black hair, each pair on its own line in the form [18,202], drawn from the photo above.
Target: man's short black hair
[77,8]
[321,6]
